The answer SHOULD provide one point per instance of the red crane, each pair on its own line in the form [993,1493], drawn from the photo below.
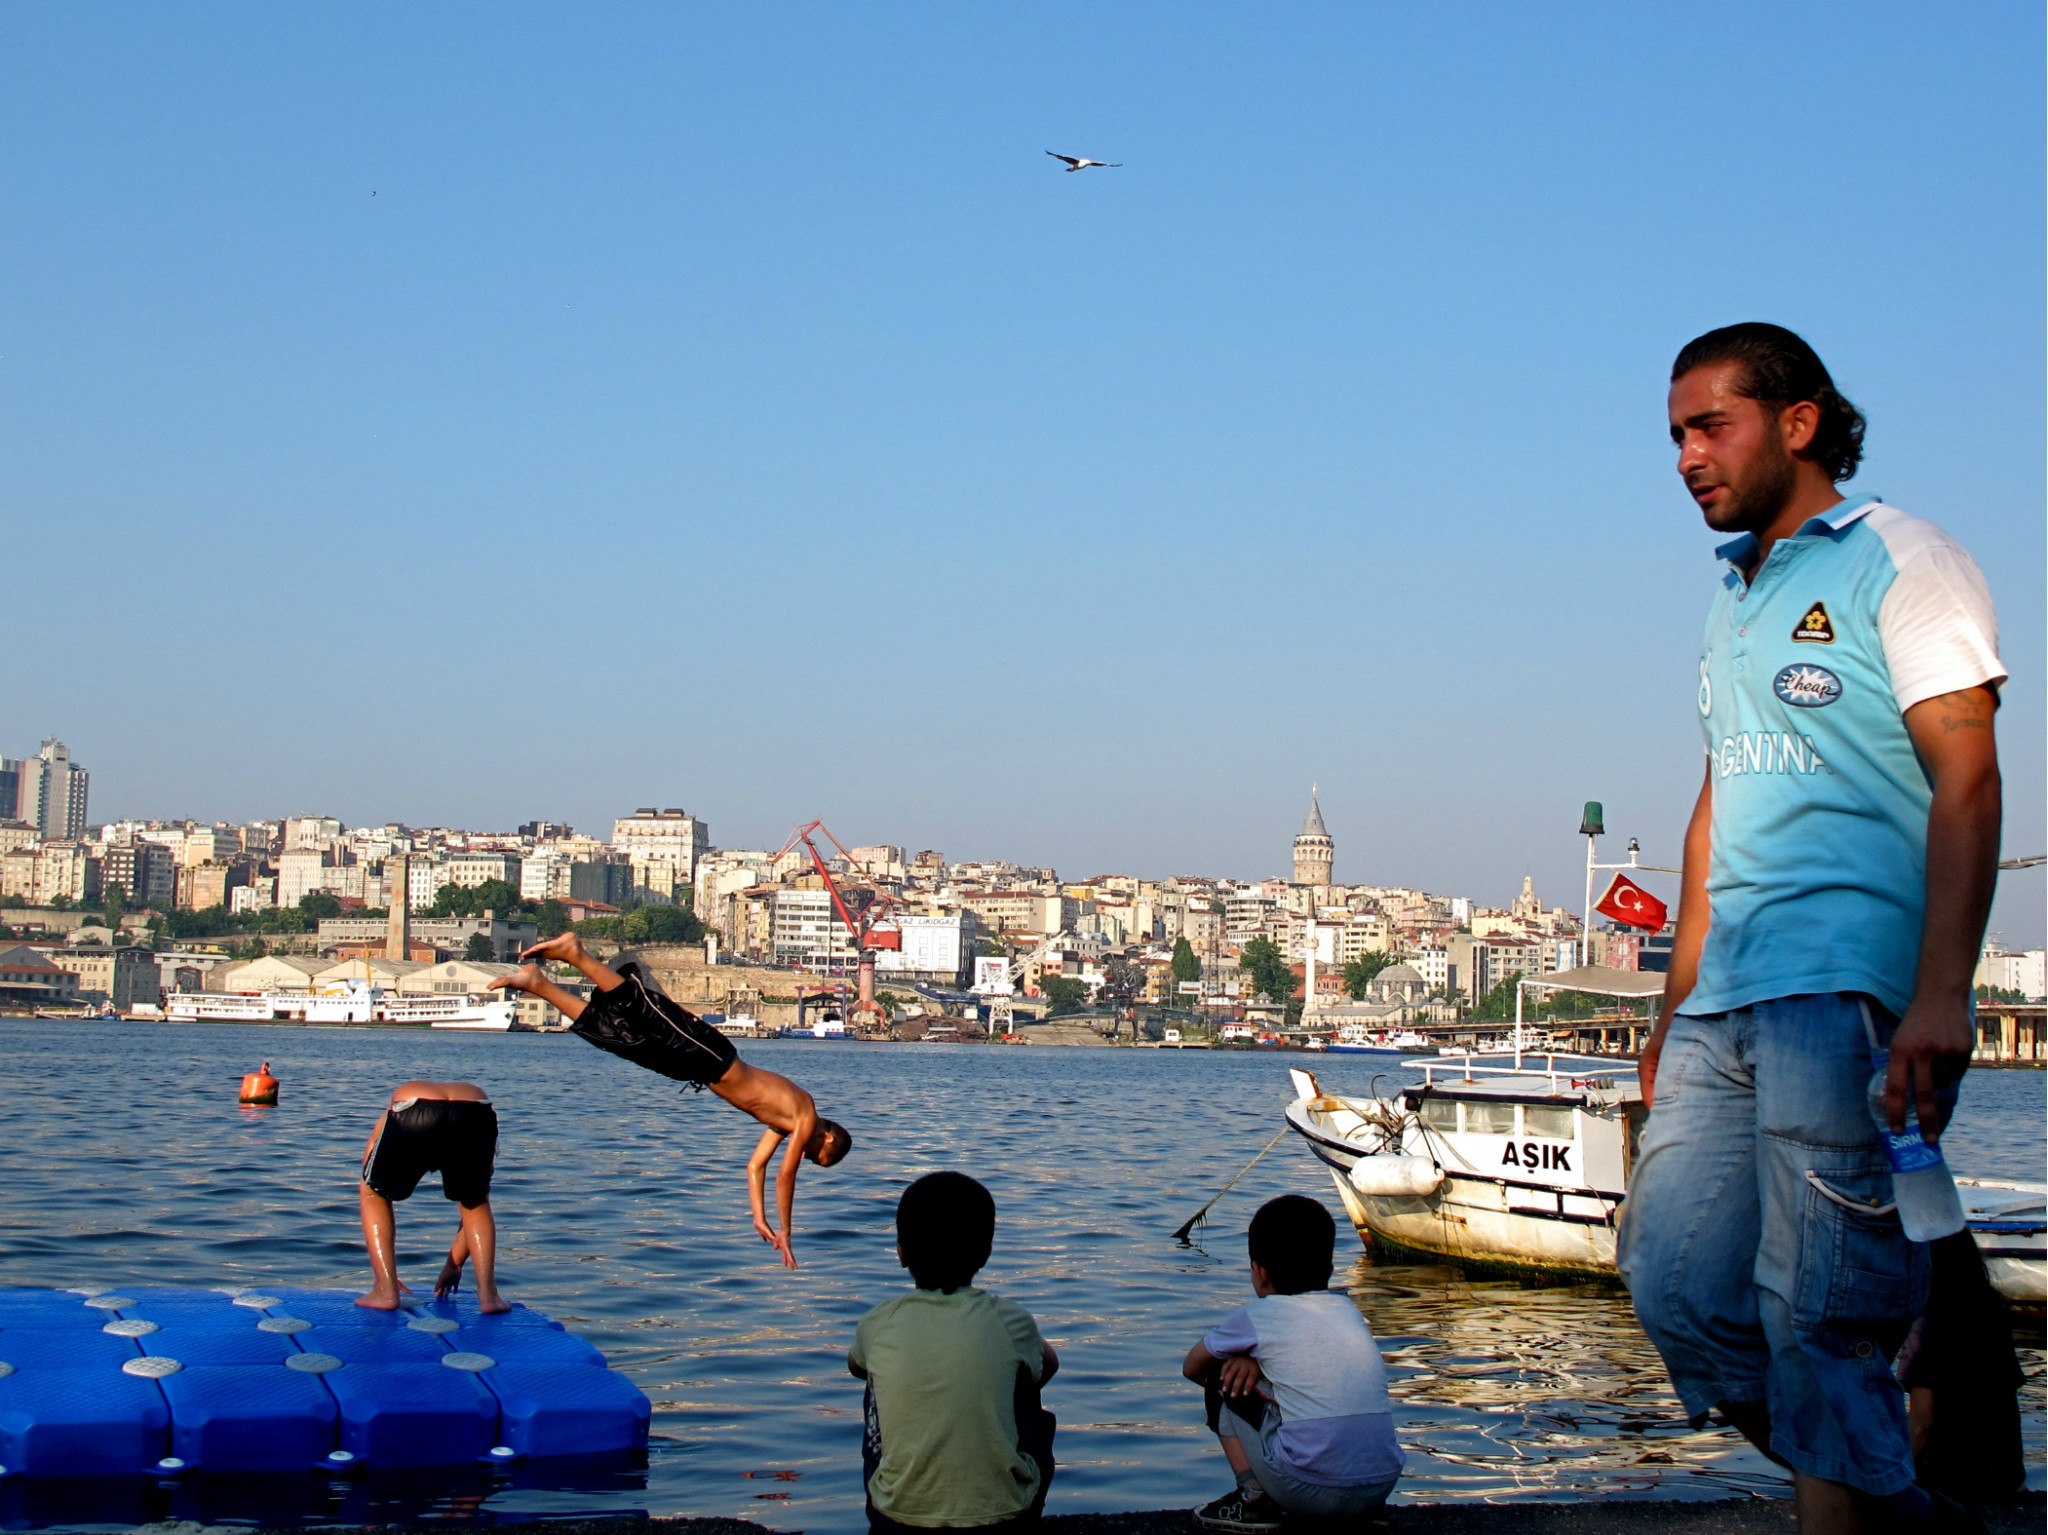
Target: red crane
[862,925]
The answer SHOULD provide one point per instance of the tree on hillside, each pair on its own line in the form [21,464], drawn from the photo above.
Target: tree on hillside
[1186,966]
[1499,1002]
[1064,993]
[113,905]
[552,918]
[478,949]
[1268,969]
[474,900]
[1360,972]
[320,905]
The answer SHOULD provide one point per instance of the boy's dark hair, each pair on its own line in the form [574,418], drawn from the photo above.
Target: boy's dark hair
[1294,1240]
[1780,369]
[945,1224]
[836,1141]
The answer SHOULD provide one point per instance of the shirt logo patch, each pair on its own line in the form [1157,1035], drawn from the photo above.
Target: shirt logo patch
[1807,687]
[1815,628]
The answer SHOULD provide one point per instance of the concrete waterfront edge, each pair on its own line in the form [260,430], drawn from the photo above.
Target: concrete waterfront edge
[2019,1515]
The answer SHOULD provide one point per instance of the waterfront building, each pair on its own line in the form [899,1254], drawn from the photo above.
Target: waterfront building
[29,979]
[122,977]
[936,948]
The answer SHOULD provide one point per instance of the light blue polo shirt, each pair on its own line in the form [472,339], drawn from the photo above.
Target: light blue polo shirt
[1818,875]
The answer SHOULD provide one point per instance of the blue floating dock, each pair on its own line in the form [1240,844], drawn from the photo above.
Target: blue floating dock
[148,1380]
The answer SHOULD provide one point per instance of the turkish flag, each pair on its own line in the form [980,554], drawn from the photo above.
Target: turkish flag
[1629,903]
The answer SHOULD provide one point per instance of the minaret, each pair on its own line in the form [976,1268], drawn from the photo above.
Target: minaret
[1314,853]
[398,895]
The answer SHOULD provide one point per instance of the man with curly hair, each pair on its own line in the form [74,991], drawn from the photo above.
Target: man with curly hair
[1838,872]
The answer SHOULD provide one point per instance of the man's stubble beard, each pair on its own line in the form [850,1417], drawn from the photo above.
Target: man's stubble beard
[1761,496]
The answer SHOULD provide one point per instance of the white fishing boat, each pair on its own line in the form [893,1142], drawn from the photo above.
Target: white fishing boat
[1524,1164]
[735,1025]
[353,1001]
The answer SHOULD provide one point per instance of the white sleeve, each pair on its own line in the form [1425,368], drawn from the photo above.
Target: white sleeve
[1938,625]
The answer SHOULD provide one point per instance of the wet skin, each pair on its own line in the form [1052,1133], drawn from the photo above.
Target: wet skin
[787,1112]
[476,1238]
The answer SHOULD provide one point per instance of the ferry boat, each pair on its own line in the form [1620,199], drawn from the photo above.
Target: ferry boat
[735,1025]
[353,1002]
[1524,1164]
[1355,1039]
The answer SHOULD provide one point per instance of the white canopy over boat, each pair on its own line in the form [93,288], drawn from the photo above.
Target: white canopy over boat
[1600,981]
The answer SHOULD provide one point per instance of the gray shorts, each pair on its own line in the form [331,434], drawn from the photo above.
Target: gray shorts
[1306,1500]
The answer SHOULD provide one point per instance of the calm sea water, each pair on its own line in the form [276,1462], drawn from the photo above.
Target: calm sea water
[622,1211]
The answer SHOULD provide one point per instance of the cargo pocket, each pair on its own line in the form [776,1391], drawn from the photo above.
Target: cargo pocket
[1855,1264]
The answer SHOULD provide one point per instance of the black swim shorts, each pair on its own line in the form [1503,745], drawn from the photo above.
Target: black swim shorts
[457,1137]
[636,1022]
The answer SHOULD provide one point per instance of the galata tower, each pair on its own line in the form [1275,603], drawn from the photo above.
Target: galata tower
[1313,850]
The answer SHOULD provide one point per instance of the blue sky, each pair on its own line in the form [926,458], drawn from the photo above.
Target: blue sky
[732,407]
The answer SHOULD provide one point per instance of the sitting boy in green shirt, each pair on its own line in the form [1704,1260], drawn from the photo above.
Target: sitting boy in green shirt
[955,1438]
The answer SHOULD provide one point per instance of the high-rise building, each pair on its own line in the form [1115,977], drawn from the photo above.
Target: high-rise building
[1314,852]
[51,792]
[10,788]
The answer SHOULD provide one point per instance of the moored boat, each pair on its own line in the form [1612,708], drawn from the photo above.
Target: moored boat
[1523,1164]
[353,1002]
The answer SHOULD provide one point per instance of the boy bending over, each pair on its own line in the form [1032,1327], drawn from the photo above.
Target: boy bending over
[956,1438]
[635,1021]
[1295,1386]
[429,1126]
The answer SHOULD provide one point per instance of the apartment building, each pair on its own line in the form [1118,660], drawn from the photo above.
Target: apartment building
[123,977]
[663,847]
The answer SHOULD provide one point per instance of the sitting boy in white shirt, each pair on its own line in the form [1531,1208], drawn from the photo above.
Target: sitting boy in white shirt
[1296,1388]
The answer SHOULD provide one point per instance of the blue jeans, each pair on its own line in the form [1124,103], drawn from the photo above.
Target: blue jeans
[1758,1241]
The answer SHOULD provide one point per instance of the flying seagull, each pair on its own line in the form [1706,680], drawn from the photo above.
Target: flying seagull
[1083,165]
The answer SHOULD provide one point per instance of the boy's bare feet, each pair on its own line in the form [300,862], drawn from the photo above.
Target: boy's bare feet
[490,1302]
[383,1299]
[566,948]
[522,979]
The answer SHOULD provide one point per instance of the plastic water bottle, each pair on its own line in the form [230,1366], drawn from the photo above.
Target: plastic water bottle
[1921,1182]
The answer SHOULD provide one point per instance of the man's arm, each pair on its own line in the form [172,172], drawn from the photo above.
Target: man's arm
[1694,918]
[1959,749]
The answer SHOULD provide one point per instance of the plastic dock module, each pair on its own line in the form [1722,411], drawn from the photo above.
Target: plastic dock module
[230,1419]
[65,1348]
[413,1414]
[577,1409]
[525,1345]
[374,1345]
[147,1379]
[81,1422]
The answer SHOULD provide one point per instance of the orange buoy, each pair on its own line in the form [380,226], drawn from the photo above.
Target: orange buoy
[259,1086]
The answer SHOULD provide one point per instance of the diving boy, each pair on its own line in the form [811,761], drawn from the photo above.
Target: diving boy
[956,1437]
[1296,1388]
[449,1127]
[633,1020]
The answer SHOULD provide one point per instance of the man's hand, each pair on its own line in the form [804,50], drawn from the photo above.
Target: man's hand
[1930,1050]
[1238,1376]
[1646,1063]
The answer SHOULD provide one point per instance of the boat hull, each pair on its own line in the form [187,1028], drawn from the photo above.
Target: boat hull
[1513,1226]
